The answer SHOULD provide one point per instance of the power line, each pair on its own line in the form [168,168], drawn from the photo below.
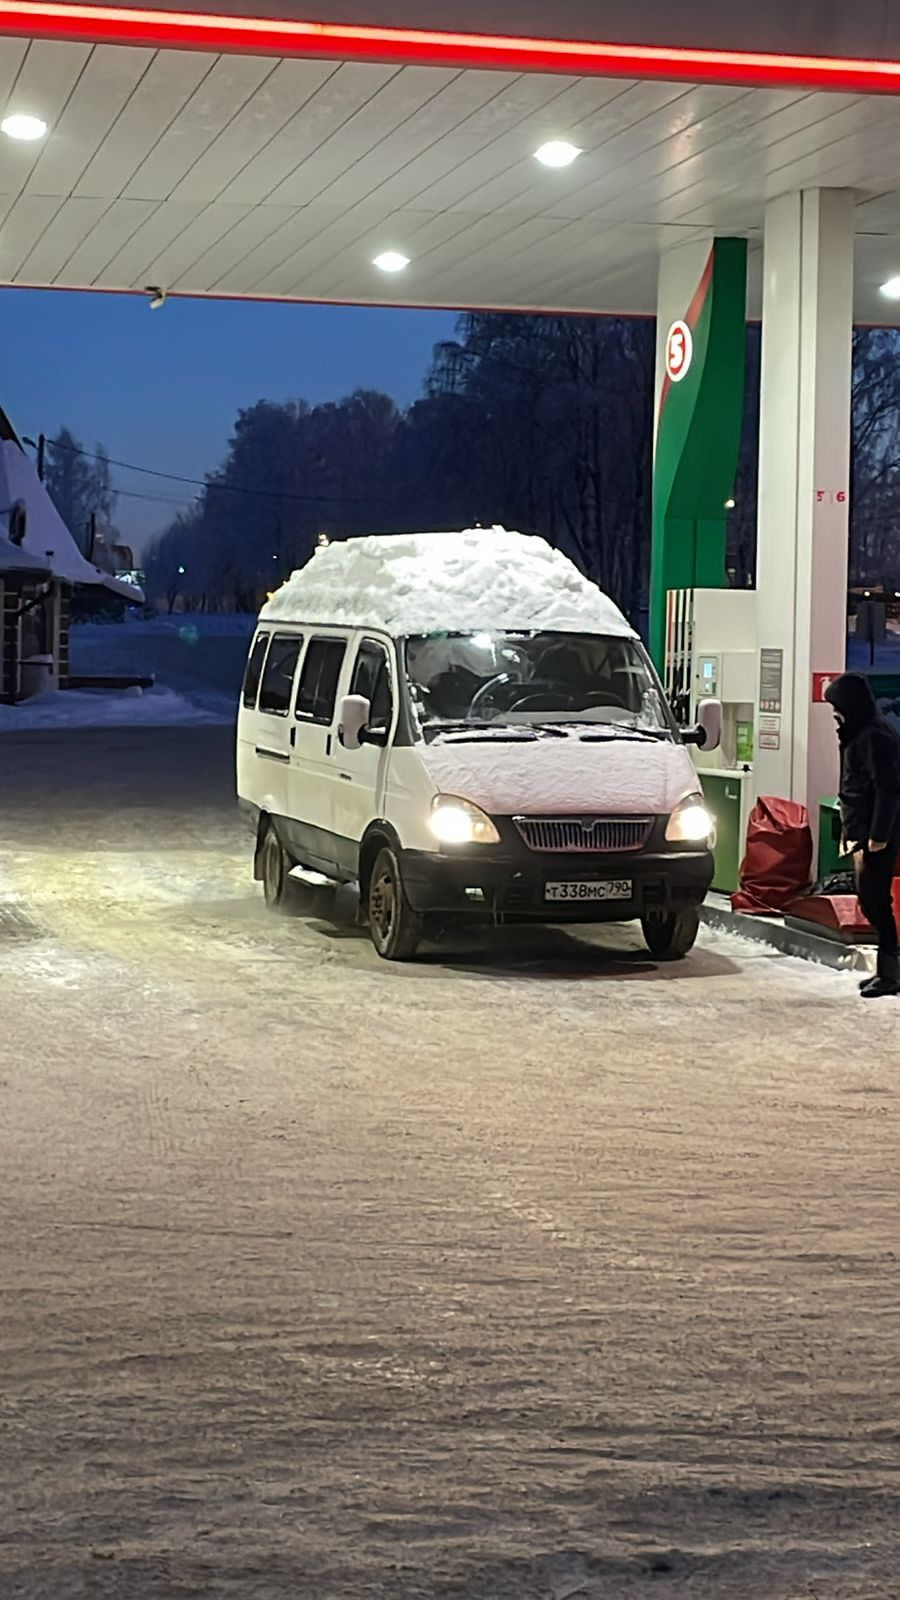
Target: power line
[156,499]
[207,484]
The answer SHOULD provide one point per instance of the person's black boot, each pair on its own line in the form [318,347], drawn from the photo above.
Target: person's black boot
[879,989]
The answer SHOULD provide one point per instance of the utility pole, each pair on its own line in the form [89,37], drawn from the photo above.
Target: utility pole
[41,448]
[92,535]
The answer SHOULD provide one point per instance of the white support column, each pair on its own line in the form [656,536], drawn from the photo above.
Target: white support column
[804,484]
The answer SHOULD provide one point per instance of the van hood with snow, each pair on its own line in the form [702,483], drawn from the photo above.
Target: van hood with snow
[602,774]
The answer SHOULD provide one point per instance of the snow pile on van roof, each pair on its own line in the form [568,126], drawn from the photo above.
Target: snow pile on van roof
[416,583]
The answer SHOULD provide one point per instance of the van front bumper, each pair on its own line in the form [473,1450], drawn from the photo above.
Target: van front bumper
[492,882]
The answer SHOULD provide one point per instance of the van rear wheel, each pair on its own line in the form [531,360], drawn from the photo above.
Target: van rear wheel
[670,938]
[395,928]
[275,868]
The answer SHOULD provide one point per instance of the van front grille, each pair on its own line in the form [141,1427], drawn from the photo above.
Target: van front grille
[581,835]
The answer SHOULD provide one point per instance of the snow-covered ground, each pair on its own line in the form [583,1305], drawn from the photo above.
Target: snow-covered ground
[200,659]
[528,1272]
[94,708]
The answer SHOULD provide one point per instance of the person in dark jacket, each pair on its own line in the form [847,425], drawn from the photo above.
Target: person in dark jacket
[870,815]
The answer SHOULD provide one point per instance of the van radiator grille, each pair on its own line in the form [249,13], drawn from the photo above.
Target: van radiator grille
[576,835]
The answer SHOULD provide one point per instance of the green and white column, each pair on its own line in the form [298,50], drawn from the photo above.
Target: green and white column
[701,352]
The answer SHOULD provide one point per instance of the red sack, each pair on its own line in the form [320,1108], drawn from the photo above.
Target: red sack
[777,865]
[839,916]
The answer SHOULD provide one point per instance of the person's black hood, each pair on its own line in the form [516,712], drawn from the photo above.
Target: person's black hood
[853,698]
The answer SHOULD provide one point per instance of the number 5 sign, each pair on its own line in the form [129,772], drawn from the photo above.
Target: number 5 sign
[679,351]
[833,497]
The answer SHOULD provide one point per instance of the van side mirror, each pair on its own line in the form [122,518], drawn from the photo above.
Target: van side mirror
[707,735]
[355,713]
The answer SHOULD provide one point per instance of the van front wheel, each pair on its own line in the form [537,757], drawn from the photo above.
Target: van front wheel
[670,938]
[396,929]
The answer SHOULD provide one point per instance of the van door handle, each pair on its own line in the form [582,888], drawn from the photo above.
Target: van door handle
[347,777]
[328,745]
[293,738]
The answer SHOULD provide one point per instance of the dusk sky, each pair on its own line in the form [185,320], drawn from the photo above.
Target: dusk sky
[162,388]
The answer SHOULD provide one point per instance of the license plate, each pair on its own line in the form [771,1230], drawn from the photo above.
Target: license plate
[613,889]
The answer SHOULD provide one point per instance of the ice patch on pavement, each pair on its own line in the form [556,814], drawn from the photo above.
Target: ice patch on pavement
[751,953]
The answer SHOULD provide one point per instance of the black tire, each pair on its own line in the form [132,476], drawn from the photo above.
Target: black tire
[395,928]
[670,938]
[274,867]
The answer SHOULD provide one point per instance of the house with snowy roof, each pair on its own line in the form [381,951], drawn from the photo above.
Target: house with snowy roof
[41,567]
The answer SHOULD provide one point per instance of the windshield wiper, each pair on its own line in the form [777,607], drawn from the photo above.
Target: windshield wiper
[503,730]
[619,730]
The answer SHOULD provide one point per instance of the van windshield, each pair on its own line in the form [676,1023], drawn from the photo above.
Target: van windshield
[505,679]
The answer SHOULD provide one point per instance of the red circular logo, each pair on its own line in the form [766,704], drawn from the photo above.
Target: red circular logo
[679,351]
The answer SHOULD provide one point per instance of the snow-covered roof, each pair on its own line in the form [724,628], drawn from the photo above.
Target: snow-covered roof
[47,539]
[419,583]
[14,559]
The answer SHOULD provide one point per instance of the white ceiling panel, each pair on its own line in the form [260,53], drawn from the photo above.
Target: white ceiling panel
[623,139]
[104,88]
[47,76]
[579,109]
[162,93]
[86,267]
[217,260]
[12,54]
[673,160]
[346,245]
[425,131]
[68,227]
[249,134]
[216,101]
[130,266]
[199,237]
[346,91]
[269,253]
[498,102]
[248,175]
[423,234]
[389,111]
[626,111]
[21,229]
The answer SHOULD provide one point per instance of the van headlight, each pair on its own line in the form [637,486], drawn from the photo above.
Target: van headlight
[691,823]
[455,821]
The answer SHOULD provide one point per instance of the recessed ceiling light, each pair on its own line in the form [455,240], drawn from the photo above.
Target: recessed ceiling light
[558,153]
[891,289]
[20,126]
[391,261]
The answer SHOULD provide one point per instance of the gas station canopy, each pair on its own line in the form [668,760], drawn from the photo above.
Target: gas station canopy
[218,154]
[703,157]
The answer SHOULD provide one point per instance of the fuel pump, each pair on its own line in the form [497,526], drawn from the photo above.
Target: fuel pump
[711,653]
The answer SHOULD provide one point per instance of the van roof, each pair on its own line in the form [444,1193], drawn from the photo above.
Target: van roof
[406,584]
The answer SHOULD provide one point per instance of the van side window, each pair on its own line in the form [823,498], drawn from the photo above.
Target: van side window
[317,690]
[278,678]
[372,678]
[254,668]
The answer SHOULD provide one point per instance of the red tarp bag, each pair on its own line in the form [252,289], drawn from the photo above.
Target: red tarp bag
[839,916]
[777,865]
